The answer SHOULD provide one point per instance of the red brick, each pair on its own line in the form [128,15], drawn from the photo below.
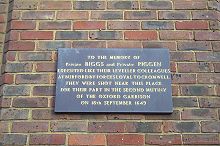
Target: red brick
[183,78]
[72,15]
[29,127]
[210,126]
[156,44]
[141,35]
[190,4]
[192,25]
[175,90]
[176,35]
[5,103]
[30,102]
[199,114]
[209,78]
[196,67]
[89,44]
[206,35]
[87,139]
[182,56]
[209,102]
[200,139]
[89,25]
[8,78]
[36,35]
[38,15]
[12,36]
[181,127]
[140,15]
[2,18]
[125,139]
[124,44]
[173,139]
[32,79]
[126,25]
[47,139]
[55,25]
[46,67]
[21,46]
[55,5]
[23,25]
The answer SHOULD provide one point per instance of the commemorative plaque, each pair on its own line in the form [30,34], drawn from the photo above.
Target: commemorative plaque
[113,81]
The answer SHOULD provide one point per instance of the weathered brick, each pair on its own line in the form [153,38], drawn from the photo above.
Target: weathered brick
[216,46]
[44,91]
[173,139]
[192,25]
[204,15]
[89,5]
[195,46]
[14,114]
[199,139]
[89,44]
[176,35]
[174,15]
[38,15]
[47,139]
[140,15]
[185,4]
[217,67]
[123,5]
[113,127]
[182,56]
[36,35]
[10,56]
[183,78]
[214,25]
[141,35]
[12,36]
[46,67]
[23,25]
[15,139]
[53,45]
[210,126]
[157,5]
[156,44]
[71,35]
[16,90]
[89,25]
[87,139]
[125,117]
[24,5]
[197,90]
[55,25]
[21,46]
[106,15]
[157,25]
[18,67]
[35,56]
[72,15]
[209,102]
[196,114]
[114,25]
[2,18]
[29,127]
[209,78]
[214,5]
[125,139]
[208,56]
[144,127]
[195,67]
[55,5]
[185,102]
[4,127]
[181,127]
[69,126]
[105,35]
[14,15]
[8,78]
[124,44]
[207,35]
[30,102]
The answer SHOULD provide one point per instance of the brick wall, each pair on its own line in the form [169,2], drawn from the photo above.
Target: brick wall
[189,28]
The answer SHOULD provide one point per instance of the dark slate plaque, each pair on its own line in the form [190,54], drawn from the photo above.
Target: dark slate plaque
[113,80]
